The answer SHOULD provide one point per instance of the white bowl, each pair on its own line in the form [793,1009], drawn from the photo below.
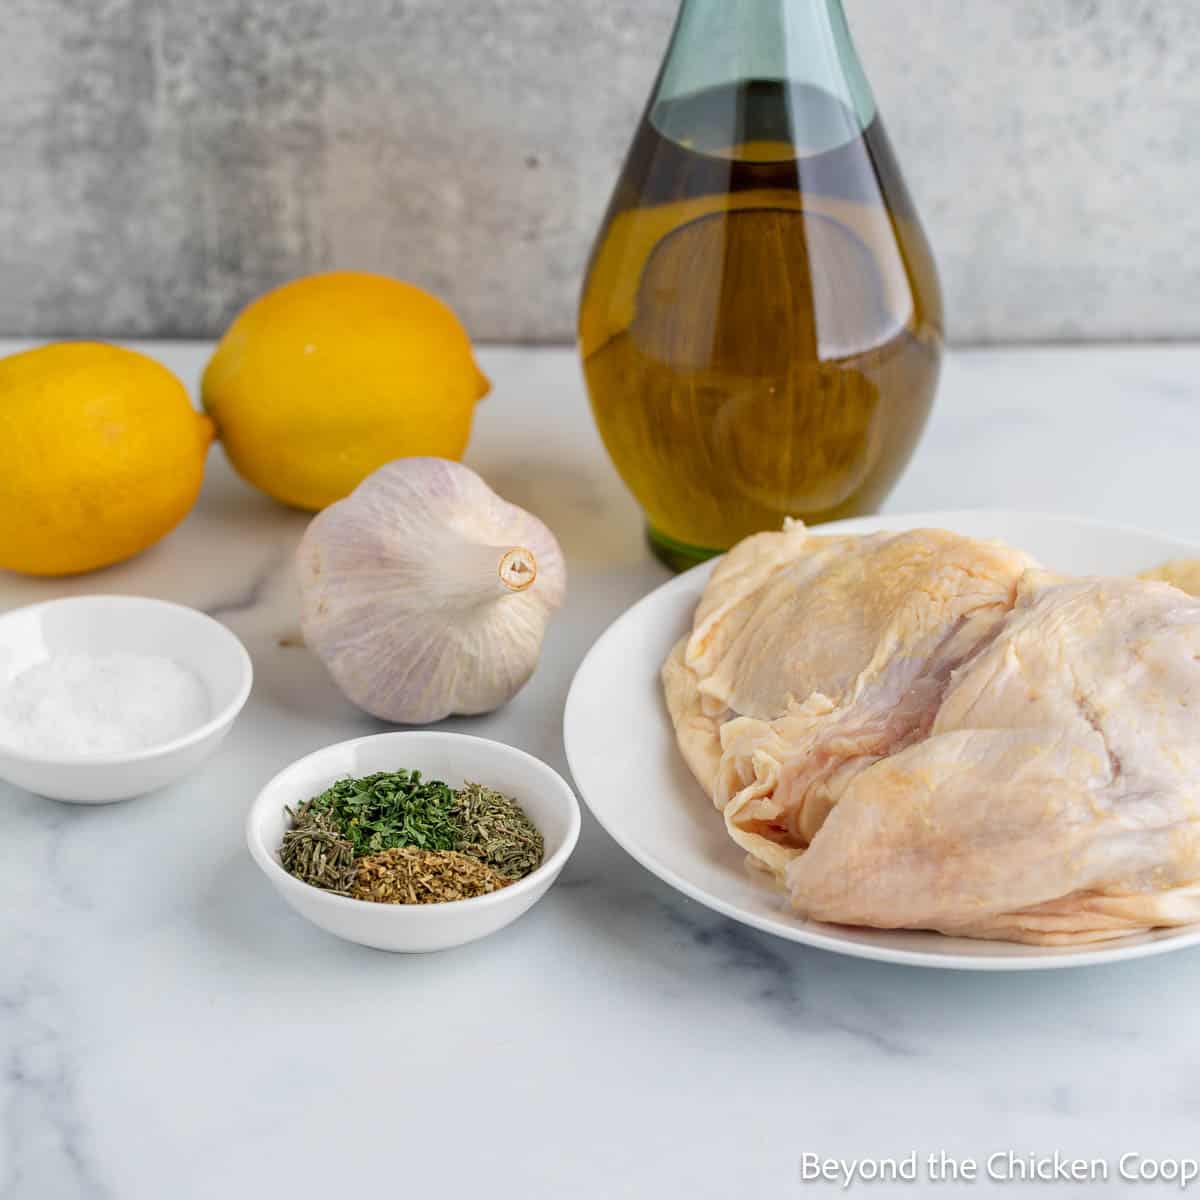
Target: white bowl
[453,758]
[133,625]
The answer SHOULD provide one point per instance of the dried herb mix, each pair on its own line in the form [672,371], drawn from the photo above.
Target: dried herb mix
[396,838]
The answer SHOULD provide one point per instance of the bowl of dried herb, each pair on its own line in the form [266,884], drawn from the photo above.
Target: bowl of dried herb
[413,841]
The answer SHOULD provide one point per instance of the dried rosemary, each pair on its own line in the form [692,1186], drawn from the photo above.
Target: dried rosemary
[494,829]
[412,876]
[315,851]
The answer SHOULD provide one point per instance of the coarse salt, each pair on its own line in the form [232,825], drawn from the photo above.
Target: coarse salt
[83,704]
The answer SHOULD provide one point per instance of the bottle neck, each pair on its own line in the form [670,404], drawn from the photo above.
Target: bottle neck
[804,45]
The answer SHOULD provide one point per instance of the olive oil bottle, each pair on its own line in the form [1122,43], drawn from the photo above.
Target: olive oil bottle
[760,324]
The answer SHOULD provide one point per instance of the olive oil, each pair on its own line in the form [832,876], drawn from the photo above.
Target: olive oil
[760,324]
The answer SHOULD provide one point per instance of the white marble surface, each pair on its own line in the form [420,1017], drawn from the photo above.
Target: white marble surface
[169,1029]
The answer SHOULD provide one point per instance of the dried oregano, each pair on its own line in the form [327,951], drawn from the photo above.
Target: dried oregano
[412,876]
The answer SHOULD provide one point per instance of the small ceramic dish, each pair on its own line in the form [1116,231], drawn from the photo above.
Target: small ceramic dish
[454,758]
[133,625]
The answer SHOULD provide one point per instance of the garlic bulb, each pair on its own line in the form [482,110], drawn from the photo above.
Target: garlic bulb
[425,594]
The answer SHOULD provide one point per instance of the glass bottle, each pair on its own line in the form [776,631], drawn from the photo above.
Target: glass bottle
[760,324]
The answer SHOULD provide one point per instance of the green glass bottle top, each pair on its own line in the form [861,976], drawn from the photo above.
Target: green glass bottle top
[760,324]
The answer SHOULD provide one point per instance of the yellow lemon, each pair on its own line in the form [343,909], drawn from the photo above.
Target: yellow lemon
[102,455]
[321,381]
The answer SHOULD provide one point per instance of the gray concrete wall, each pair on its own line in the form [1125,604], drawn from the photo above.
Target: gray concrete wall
[162,161]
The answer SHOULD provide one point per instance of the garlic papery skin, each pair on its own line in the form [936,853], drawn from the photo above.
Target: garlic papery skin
[425,594]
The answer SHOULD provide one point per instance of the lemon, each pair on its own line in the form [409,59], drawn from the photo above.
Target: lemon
[321,381]
[102,455]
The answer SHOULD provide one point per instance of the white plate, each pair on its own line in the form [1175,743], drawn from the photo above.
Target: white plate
[621,748]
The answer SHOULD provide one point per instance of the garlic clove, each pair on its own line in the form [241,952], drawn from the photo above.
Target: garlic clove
[426,594]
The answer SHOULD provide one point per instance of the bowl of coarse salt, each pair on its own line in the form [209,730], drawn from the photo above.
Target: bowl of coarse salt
[107,697]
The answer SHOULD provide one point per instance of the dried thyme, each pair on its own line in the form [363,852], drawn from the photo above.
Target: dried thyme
[315,851]
[412,876]
[494,829]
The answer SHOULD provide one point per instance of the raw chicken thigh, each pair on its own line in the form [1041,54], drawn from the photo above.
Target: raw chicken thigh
[926,731]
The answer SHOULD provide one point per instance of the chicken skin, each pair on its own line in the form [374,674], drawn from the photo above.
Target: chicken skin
[926,731]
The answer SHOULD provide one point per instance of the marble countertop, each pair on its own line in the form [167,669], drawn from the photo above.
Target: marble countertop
[169,1029]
